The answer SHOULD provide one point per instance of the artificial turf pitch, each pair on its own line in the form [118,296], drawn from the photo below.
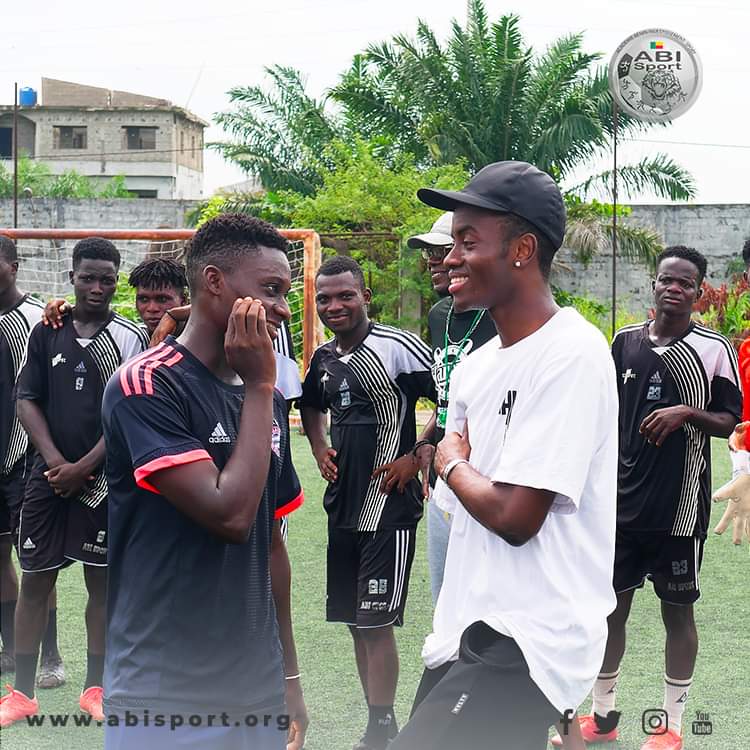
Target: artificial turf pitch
[334,698]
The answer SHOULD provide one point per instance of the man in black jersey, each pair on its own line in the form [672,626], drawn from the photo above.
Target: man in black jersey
[199,472]
[159,284]
[370,377]
[678,386]
[64,515]
[19,313]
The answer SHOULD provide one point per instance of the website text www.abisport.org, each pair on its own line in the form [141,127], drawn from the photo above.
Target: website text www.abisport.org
[173,721]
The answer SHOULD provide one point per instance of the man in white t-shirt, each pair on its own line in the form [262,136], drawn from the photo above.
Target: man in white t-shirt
[528,466]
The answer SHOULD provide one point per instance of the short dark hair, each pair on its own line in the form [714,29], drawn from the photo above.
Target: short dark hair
[746,252]
[8,249]
[95,248]
[516,226]
[157,273]
[342,264]
[686,253]
[222,241]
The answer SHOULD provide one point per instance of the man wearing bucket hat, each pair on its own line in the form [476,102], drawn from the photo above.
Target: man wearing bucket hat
[520,623]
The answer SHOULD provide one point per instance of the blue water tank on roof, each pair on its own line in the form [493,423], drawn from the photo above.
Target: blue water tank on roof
[27,97]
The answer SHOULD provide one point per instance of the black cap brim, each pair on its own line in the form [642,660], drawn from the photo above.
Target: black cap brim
[447,200]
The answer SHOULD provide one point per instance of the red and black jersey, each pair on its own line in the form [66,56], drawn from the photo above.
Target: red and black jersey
[186,610]
[371,393]
[668,488]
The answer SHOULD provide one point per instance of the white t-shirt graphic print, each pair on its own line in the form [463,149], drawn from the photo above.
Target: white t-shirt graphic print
[541,413]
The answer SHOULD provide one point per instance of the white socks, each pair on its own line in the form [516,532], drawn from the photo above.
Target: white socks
[675,698]
[605,692]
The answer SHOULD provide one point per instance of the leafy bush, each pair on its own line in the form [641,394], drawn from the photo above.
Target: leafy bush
[726,309]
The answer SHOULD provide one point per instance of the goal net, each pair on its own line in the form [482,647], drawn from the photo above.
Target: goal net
[45,260]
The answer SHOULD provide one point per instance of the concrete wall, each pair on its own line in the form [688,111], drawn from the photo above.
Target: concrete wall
[45,264]
[717,231]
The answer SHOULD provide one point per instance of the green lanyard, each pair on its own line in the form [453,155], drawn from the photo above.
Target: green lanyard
[442,409]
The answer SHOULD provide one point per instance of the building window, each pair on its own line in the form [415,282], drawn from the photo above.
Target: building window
[192,144]
[65,136]
[182,140]
[144,193]
[139,138]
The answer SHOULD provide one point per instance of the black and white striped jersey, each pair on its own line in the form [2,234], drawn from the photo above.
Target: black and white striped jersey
[66,374]
[371,392]
[15,328]
[669,488]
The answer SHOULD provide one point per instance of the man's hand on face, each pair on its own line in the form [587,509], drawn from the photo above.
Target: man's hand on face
[248,345]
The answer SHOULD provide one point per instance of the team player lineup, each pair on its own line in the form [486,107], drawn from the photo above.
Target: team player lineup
[196,437]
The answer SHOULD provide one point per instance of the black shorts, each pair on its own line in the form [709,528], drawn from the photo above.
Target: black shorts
[12,487]
[672,563]
[55,531]
[485,699]
[368,576]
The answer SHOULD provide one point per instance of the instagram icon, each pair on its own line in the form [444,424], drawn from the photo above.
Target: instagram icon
[655,721]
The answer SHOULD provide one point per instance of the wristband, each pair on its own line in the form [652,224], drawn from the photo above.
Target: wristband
[450,466]
[293,676]
[418,445]
[169,314]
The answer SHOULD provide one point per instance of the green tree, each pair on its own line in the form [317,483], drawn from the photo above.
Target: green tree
[38,178]
[485,96]
[278,135]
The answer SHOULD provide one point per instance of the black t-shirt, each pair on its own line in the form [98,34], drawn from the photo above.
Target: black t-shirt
[668,488]
[15,327]
[66,375]
[372,392]
[461,323]
[190,618]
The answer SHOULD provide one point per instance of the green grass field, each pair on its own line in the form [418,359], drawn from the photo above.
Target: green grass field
[334,699]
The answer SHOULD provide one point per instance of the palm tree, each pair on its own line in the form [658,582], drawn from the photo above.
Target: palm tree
[278,136]
[484,96]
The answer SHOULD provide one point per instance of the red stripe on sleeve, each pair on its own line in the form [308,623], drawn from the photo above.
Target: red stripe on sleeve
[131,367]
[151,366]
[291,506]
[142,473]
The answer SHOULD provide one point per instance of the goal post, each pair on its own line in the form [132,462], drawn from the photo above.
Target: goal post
[45,259]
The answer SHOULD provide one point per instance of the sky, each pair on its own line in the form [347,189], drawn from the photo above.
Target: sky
[192,53]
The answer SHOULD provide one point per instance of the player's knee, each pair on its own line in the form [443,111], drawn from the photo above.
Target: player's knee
[678,617]
[35,587]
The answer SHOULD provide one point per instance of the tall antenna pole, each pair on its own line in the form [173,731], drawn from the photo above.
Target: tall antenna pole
[614,219]
[15,156]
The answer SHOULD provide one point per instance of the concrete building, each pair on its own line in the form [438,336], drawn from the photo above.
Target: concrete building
[157,146]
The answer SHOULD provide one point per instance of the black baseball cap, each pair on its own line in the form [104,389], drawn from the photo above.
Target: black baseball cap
[509,187]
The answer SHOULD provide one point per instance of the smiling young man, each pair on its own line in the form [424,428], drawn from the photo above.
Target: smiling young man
[678,386]
[19,313]
[453,336]
[370,377]
[64,514]
[198,612]
[520,623]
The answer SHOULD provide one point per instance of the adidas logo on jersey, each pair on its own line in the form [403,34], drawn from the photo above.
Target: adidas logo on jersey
[655,378]
[219,435]
[28,544]
[58,359]
[80,367]
[344,385]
